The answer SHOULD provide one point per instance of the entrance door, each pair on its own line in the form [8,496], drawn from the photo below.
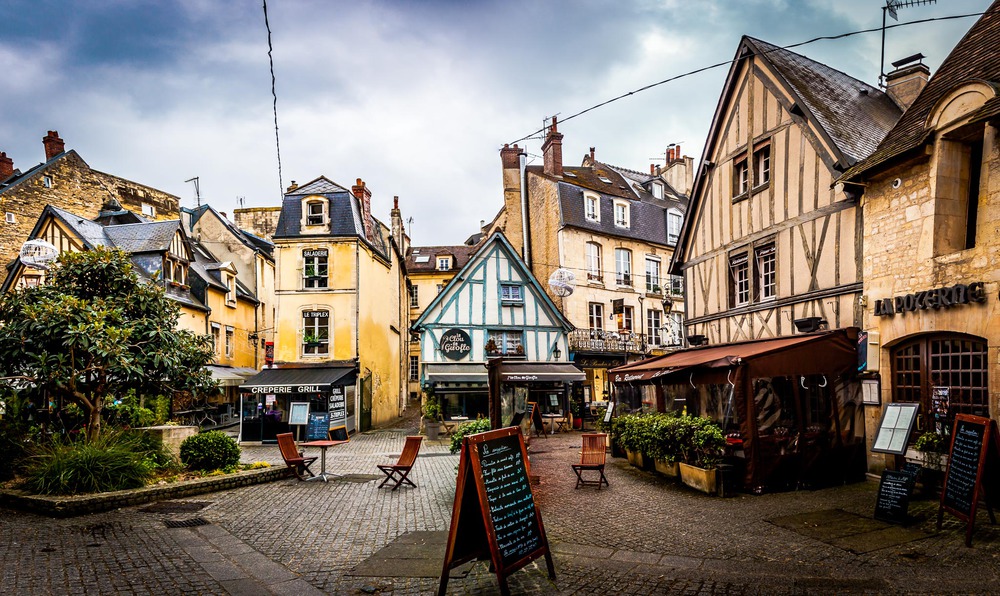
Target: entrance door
[945,373]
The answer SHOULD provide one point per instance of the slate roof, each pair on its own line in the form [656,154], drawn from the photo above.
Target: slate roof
[248,239]
[855,115]
[90,232]
[461,253]
[143,237]
[975,57]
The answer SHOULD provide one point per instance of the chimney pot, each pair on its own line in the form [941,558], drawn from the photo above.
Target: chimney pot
[905,83]
[552,151]
[6,166]
[510,157]
[592,152]
[652,169]
[292,186]
[395,203]
[53,144]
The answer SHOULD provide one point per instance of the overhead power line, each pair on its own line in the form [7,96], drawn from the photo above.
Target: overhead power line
[728,62]
[277,143]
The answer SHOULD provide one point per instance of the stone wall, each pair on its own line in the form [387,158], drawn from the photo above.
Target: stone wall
[69,183]
[259,221]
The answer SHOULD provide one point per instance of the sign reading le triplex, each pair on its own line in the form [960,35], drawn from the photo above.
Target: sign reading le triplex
[937,298]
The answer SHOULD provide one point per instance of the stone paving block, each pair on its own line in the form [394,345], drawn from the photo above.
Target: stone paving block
[634,557]
[204,553]
[244,587]
[583,550]
[295,587]
[679,562]
[223,571]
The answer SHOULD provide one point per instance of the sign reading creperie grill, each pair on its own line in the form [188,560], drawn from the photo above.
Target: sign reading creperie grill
[932,299]
[287,388]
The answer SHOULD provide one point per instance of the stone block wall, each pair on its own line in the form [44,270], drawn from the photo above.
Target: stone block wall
[259,221]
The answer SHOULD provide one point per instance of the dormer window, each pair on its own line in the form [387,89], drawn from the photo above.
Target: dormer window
[674,220]
[47,181]
[657,189]
[231,290]
[315,213]
[621,214]
[148,210]
[444,263]
[592,207]
[175,272]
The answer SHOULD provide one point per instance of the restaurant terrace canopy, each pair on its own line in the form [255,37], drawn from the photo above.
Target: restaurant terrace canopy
[790,404]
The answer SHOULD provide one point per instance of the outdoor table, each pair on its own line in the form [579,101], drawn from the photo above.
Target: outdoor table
[452,423]
[552,420]
[323,445]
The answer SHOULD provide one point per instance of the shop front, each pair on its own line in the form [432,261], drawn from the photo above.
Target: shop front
[267,399]
[460,388]
[549,385]
[790,407]
[227,401]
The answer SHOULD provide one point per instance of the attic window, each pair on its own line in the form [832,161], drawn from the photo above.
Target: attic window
[148,210]
[657,190]
[604,180]
[11,218]
[47,181]
[315,212]
[443,263]
[569,174]
[422,259]
[621,214]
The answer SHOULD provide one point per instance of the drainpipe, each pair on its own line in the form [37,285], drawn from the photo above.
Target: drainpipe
[526,240]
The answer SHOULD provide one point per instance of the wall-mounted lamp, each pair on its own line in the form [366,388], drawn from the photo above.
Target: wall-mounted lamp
[556,352]
[809,324]
[668,305]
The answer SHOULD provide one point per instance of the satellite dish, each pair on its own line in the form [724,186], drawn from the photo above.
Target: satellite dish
[562,282]
[37,254]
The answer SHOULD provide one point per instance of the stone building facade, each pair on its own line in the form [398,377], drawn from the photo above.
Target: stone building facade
[932,235]
[259,221]
[66,181]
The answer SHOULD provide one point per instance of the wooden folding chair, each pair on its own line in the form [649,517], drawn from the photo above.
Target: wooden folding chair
[591,458]
[399,471]
[294,459]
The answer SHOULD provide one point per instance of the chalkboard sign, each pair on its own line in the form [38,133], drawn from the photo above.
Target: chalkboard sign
[894,492]
[912,469]
[338,407]
[974,450]
[318,427]
[534,417]
[339,433]
[494,514]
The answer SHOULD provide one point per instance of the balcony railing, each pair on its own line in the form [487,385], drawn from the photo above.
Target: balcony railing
[597,340]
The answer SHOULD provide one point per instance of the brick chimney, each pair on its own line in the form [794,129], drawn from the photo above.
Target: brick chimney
[509,156]
[396,219]
[53,144]
[364,197]
[552,151]
[6,166]
[592,151]
[905,83]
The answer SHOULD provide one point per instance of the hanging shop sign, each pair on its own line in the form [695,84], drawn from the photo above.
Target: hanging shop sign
[455,344]
[269,353]
[937,298]
[318,252]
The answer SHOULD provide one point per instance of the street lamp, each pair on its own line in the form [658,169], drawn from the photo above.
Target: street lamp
[556,351]
[668,305]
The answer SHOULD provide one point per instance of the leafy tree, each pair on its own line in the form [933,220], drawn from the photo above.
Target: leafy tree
[96,331]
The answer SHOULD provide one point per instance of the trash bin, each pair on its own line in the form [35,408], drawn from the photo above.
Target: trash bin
[725,480]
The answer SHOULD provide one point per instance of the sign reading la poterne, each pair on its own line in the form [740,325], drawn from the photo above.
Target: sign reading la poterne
[455,344]
[937,298]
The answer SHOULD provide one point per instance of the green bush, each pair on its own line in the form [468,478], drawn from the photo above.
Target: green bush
[213,450]
[115,461]
[701,441]
[931,442]
[471,427]
[663,442]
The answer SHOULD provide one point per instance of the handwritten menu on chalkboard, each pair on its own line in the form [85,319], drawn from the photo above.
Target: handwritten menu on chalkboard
[318,427]
[963,466]
[508,495]
[894,492]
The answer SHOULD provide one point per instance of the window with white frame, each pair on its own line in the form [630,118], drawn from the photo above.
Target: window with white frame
[762,164]
[315,268]
[444,263]
[47,181]
[767,285]
[148,210]
[653,322]
[594,262]
[741,177]
[653,275]
[230,289]
[414,368]
[414,297]
[623,266]
[676,285]
[11,218]
[592,207]
[216,339]
[739,280]
[625,320]
[674,220]
[229,342]
[315,213]
[511,293]
[621,214]
[315,332]
[595,313]
[657,190]
[508,343]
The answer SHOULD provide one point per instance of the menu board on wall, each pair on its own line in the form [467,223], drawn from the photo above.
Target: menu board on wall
[973,470]
[338,407]
[494,514]
[895,428]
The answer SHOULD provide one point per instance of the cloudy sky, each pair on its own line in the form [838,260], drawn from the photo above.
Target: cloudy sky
[416,98]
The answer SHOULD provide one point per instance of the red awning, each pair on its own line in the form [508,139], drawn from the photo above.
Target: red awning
[826,352]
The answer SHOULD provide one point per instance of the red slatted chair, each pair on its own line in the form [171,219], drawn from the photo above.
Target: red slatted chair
[399,471]
[591,458]
[294,459]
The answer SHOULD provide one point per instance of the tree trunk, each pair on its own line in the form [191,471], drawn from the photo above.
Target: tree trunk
[94,419]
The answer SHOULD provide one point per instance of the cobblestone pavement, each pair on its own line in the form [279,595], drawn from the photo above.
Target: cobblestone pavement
[642,535]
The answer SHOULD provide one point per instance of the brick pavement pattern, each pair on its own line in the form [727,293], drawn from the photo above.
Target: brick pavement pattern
[641,535]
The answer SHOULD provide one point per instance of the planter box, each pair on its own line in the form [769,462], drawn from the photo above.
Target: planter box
[634,458]
[669,470]
[931,461]
[698,478]
[432,430]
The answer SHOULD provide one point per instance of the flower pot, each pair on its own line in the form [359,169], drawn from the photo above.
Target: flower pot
[432,430]
[670,470]
[634,458]
[577,422]
[698,478]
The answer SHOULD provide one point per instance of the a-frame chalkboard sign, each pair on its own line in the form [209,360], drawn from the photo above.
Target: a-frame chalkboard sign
[495,517]
[973,471]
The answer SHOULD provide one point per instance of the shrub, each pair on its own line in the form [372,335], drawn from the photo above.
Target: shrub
[701,441]
[208,451]
[471,427]
[930,442]
[117,460]
[664,442]
[432,410]
[257,465]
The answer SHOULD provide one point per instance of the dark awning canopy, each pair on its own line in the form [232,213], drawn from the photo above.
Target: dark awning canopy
[540,372]
[460,372]
[298,380]
[825,352]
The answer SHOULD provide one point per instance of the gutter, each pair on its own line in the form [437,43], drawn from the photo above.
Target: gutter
[526,236]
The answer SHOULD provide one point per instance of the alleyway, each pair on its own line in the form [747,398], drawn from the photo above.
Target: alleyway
[642,535]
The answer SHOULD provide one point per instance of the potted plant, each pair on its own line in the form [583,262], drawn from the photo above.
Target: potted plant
[701,453]
[656,290]
[311,340]
[491,348]
[577,409]
[664,448]
[630,438]
[432,417]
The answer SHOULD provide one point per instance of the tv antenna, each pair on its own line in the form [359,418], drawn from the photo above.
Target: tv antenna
[890,8]
[197,189]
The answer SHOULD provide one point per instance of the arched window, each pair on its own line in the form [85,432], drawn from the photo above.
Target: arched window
[945,373]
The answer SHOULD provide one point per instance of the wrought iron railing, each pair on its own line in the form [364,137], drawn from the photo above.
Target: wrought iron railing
[598,340]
